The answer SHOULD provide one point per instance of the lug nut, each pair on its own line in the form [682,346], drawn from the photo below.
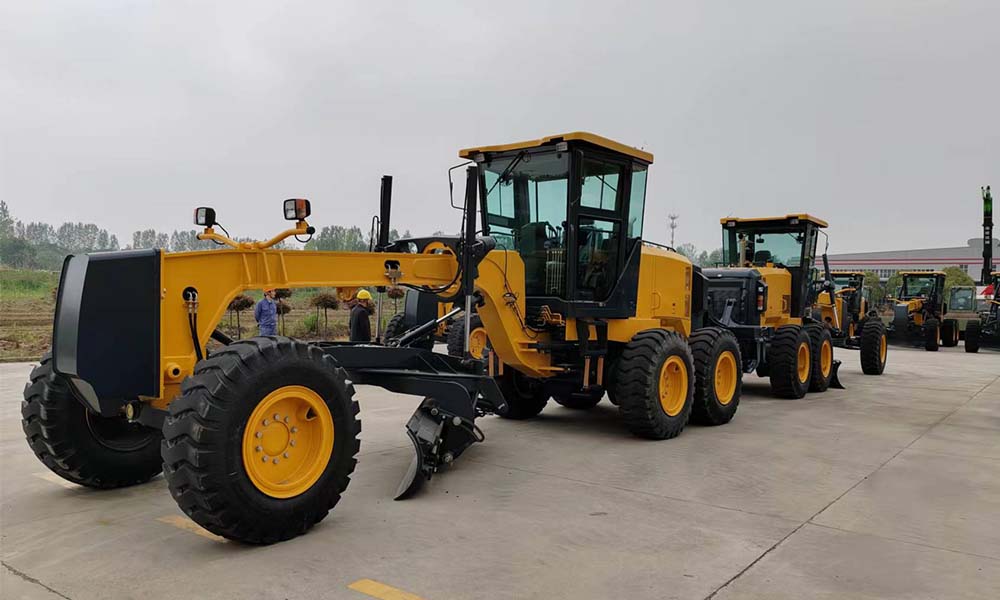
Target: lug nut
[258,449]
[277,417]
[285,455]
[291,443]
[295,429]
[286,418]
[266,422]
[259,435]
[263,458]
[276,461]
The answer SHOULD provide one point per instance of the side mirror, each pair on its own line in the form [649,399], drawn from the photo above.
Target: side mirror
[204,216]
[297,209]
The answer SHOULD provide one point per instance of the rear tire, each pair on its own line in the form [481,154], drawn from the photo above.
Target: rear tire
[718,369]
[790,362]
[821,357]
[655,384]
[932,333]
[79,446]
[207,440]
[973,332]
[874,347]
[397,327]
[526,397]
[949,333]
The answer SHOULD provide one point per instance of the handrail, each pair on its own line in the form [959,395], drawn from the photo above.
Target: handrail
[301,228]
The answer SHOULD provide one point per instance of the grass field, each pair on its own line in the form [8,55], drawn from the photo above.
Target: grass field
[27,304]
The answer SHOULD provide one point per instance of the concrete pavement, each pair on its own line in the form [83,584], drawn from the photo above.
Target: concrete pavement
[889,489]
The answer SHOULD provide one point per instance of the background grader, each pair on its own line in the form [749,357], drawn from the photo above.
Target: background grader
[853,324]
[988,324]
[257,441]
[920,309]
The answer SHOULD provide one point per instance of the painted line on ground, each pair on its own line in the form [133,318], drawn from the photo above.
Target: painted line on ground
[53,478]
[188,525]
[379,590]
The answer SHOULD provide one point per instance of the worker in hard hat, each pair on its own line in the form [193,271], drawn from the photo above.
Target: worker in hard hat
[266,313]
[361,312]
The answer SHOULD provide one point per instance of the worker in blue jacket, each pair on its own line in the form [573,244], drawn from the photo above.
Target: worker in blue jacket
[266,313]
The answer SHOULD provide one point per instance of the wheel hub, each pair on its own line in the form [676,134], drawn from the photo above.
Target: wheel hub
[288,441]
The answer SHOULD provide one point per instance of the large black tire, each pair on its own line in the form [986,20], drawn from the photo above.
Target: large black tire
[526,397]
[456,336]
[204,441]
[821,357]
[932,333]
[580,401]
[789,367]
[874,347]
[397,327]
[79,446]
[973,333]
[949,333]
[718,370]
[642,370]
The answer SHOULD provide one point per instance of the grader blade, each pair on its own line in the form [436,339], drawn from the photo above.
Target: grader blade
[835,378]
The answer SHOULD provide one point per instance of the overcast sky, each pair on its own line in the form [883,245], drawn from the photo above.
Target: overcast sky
[882,117]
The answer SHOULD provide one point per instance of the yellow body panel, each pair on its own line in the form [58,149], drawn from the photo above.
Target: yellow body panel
[663,298]
[779,298]
[583,136]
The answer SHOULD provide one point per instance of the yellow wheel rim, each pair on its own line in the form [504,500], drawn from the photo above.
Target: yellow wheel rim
[884,348]
[725,377]
[850,330]
[673,385]
[288,441]
[826,357]
[477,342]
[803,362]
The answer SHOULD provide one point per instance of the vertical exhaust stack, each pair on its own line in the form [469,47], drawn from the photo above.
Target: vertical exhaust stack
[987,236]
[385,204]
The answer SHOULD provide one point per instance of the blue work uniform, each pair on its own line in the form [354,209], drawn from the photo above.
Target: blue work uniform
[266,313]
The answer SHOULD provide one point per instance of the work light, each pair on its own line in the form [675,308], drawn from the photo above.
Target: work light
[297,209]
[204,216]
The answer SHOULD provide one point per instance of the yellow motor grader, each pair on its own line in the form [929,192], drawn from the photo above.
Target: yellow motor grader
[844,309]
[919,312]
[257,440]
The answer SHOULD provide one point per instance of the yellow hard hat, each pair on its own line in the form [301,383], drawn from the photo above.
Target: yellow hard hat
[364,295]
[266,290]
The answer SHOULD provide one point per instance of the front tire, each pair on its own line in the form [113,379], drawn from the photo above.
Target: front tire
[932,333]
[790,362]
[718,376]
[973,332]
[821,357]
[397,327]
[949,333]
[526,397]
[79,446]
[655,384]
[874,347]
[224,422]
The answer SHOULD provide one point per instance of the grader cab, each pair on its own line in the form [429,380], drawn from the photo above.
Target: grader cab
[987,327]
[257,441]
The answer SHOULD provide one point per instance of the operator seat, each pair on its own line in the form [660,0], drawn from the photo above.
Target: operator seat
[761,258]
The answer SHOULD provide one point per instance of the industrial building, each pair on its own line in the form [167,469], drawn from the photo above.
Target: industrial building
[886,263]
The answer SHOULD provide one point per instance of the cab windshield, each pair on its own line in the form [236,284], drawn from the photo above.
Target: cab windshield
[526,202]
[918,286]
[962,299]
[749,248]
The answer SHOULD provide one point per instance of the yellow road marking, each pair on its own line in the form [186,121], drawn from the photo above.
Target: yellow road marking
[53,478]
[375,589]
[188,525]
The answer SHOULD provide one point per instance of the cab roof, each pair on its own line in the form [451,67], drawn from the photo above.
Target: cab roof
[800,216]
[941,273]
[581,136]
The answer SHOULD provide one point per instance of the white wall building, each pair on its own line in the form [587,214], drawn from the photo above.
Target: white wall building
[885,264]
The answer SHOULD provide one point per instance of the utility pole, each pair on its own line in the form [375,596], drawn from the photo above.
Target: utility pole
[987,236]
[673,227]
